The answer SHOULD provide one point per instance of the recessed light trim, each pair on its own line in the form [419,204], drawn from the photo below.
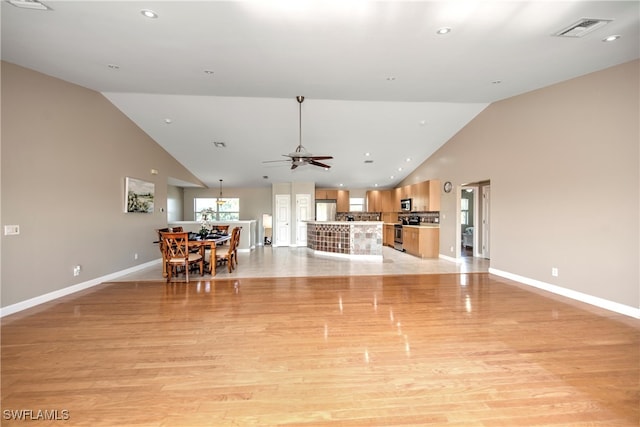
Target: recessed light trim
[220,144]
[168,121]
[148,13]
[611,38]
[443,31]
[113,66]
[208,72]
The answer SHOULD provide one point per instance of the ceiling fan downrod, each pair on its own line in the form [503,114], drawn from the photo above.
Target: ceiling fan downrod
[300,100]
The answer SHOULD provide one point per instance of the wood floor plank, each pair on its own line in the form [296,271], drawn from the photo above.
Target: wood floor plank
[450,349]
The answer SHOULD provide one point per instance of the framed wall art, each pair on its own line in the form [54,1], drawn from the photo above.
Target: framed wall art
[139,195]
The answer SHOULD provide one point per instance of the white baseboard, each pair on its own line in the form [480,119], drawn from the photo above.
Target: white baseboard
[450,258]
[23,305]
[575,295]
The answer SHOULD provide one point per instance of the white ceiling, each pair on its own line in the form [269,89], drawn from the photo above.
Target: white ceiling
[375,75]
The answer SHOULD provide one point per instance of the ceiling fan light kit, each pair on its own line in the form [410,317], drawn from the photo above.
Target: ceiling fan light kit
[301,156]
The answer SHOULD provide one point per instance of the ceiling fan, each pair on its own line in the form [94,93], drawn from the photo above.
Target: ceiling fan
[301,156]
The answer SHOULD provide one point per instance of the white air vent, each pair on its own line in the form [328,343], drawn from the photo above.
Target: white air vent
[582,27]
[29,4]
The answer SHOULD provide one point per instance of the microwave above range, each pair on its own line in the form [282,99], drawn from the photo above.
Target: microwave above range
[405,205]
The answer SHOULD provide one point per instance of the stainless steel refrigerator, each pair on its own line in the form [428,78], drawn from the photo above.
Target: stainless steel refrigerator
[326,210]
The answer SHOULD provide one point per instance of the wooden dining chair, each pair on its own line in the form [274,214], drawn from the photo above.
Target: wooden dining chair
[235,247]
[229,257]
[176,246]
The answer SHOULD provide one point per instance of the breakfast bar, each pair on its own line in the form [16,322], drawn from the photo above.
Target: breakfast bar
[347,239]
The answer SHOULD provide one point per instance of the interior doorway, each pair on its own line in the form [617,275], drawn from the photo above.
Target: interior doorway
[474,217]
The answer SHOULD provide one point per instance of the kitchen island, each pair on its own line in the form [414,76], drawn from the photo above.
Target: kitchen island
[348,239]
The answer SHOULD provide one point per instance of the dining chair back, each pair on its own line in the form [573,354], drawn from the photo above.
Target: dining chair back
[176,254]
[230,256]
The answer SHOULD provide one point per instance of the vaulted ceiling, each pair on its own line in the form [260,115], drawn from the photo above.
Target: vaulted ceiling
[377,76]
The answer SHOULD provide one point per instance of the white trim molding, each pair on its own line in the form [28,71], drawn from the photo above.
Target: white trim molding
[41,299]
[450,258]
[575,295]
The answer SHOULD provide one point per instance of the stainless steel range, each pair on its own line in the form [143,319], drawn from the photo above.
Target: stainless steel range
[397,237]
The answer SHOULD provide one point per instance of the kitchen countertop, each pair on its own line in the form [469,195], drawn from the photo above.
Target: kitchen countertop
[423,226]
[343,222]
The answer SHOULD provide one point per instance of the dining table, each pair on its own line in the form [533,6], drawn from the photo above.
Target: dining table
[202,243]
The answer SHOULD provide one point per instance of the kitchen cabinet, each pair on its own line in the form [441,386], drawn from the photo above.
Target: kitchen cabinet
[421,241]
[425,196]
[397,196]
[343,201]
[388,233]
[374,201]
[326,194]
[380,201]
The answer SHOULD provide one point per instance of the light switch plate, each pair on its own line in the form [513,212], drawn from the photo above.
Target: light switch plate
[11,230]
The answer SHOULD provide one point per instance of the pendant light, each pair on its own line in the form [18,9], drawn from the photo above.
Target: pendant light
[220,201]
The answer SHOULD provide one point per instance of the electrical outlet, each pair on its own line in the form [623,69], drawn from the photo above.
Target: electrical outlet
[11,230]
[76,270]
[554,271]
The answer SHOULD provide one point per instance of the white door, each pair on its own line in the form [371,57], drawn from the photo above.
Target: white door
[303,214]
[282,220]
[486,224]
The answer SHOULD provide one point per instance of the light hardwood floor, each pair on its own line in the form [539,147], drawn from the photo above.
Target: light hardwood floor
[459,349]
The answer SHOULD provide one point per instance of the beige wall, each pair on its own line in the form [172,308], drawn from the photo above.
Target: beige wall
[563,163]
[66,151]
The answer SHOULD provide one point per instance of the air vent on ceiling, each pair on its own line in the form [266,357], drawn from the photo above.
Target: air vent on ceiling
[582,27]
[29,4]
[368,161]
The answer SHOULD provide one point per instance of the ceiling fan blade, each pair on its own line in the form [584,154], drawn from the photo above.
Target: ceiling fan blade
[274,161]
[313,162]
[321,157]
[293,166]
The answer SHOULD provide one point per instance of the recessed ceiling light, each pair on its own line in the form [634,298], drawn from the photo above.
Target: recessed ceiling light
[219,144]
[208,71]
[408,159]
[29,4]
[113,66]
[367,154]
[611,38]
[340,185]
[399,169]
[168,121]
[496,82]
[375,185]
[148,13]
[390,78]
[368,161]
[391,177]
[423,122]
[443,30]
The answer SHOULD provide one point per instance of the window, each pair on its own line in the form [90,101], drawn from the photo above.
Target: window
[356,204]
[208,209]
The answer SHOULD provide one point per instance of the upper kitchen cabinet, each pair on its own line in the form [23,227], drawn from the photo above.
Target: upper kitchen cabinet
[426,196]
[380,201]
[374,201]
[343,201]
[326,194]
